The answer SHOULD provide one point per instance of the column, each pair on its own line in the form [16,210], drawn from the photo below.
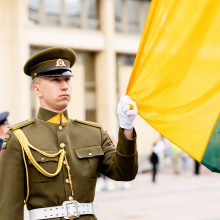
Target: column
[106,72]
[15,86]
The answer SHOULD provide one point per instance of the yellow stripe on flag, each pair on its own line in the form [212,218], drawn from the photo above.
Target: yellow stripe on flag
[176,75]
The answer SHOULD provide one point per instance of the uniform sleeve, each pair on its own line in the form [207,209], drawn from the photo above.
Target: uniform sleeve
[120,163]
[11,179]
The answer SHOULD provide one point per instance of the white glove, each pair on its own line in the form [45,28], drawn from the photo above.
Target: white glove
[127,111]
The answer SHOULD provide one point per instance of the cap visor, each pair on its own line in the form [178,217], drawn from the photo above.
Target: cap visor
[57,73]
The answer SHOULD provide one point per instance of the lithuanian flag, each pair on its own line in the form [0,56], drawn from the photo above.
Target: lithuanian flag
[176,76]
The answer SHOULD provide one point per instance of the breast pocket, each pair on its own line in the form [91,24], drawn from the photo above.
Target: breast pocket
[89,159]
[46,163]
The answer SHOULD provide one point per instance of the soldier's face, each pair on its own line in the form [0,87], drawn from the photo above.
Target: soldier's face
[3,129]
[54,93]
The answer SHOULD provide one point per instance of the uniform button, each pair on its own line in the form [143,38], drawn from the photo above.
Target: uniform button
[64,162]
[42,158]
[60,127]
[90,154]
[67,181]
[62,145]
[70,198]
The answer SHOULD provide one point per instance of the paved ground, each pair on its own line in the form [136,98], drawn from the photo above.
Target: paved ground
[182,197]
[171,198]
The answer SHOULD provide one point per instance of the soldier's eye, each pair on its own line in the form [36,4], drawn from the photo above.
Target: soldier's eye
[54,79]
[67,79]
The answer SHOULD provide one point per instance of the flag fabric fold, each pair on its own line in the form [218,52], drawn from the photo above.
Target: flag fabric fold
[176,76]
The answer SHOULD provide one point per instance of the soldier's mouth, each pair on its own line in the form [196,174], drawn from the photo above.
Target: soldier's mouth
[64,95]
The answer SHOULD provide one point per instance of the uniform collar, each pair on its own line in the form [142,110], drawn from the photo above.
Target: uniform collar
[52,117]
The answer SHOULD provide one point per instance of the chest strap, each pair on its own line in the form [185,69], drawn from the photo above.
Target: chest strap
[26,146]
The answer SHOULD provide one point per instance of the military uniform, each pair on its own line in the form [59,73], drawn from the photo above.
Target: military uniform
[3,120]
[52,162]
[89,151]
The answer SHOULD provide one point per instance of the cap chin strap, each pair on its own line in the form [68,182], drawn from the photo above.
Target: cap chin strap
[26,146]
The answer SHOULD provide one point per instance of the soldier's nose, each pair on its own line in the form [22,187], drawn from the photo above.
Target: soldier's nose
[64,85]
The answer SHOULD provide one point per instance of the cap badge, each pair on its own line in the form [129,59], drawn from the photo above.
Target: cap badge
[60,63]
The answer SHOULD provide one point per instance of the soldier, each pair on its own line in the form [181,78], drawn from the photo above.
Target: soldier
[52,162]
[3,127]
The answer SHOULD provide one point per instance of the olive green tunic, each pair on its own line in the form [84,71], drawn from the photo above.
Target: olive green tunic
[89,151]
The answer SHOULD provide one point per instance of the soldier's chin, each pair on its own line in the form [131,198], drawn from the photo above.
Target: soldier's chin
[63,105]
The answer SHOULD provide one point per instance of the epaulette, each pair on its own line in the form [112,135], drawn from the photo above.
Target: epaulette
[88,123]
[22,124]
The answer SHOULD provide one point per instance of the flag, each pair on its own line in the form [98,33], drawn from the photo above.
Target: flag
[175,80]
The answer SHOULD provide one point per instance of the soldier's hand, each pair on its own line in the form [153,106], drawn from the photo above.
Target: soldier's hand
[127,111]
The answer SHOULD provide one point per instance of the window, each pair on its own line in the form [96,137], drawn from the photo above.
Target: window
[125,60]
[70,13]
[34,11]
[130,15]
[92,14]
[90,89]
[133,15]
[52,10]
[73,13]
[118,15]
[124,66]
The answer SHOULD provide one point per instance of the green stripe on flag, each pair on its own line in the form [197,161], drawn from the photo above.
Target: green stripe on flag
[211,158]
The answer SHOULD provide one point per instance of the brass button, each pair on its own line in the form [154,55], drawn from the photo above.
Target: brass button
[60,127]
[64,162]
[42,158]
[62,145]
[70,198]
[67,181]
[90,154]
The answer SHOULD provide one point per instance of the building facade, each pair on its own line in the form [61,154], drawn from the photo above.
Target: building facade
[105,35]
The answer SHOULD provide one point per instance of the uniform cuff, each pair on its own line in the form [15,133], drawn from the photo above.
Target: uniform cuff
[125,146]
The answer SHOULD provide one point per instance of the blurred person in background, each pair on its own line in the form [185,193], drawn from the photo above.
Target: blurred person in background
[55,160]
[3,127]
[196,167]
[176,159]
[163,149]
[154,160]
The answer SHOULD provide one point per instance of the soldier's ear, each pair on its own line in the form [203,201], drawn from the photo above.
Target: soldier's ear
[36,89]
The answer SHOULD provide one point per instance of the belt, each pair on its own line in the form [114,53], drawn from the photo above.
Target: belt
[67,210]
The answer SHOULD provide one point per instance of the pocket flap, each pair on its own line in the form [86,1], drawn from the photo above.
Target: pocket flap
[89,152]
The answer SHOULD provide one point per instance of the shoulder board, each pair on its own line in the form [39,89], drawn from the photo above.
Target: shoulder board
[22,124]
[93,124]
